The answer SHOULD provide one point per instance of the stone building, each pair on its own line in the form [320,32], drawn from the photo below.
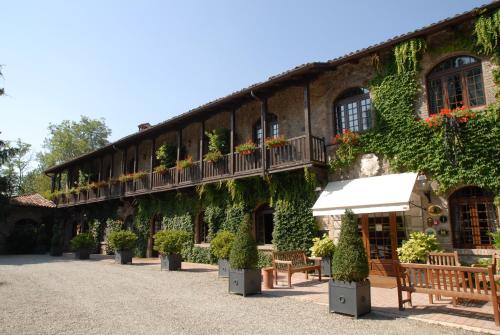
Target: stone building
[309,106]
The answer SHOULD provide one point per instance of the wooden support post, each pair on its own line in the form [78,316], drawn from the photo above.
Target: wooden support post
[111,167]
[136,165]
[201,145]
[307,121]
[98,192]
[53,183]
[263,125]
[152,160]
[124,168]
[232,122]
[179,143]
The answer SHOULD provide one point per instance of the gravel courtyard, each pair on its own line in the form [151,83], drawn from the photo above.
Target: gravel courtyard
[46,295]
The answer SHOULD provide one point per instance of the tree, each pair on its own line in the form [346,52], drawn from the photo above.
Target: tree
[2,90]
[16,167]
[6,154]
[71,139]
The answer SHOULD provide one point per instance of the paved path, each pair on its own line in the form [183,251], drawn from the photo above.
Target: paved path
[45,295]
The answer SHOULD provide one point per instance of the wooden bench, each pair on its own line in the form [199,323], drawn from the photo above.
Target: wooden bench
[450,281]
[291,262]
[443,258]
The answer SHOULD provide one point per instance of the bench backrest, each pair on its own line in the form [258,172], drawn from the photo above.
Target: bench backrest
[472,282]
[298,258]
[443,258]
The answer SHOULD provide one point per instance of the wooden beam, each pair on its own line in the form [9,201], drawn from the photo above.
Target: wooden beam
[263,125]
[307,120]
[152,161]
[232,122]
[179,143]
[201,144]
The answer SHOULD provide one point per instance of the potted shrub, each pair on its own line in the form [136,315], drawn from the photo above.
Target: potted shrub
[220,246]
[349,288]
[246,148]
[417,248]
[56,242]
[82,244]
[166,155]
[169,244]
[123,243]
[324,248]
[244,274]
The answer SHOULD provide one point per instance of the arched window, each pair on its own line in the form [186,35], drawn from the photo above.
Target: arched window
[273,129]
[456,82]
[473,217]
[264,224]
[353,111]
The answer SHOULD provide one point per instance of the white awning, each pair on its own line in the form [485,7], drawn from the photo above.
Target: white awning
[389,193]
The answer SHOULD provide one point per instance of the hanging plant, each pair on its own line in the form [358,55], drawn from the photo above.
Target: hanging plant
[185,163]
[126,177]
[487,32]
[275,142]
[406,54]
[347,150]
[246,148]
[213,156]
[166,155]
[161,169]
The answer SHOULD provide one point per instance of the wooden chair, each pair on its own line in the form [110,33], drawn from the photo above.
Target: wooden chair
[291,262]
[443,258]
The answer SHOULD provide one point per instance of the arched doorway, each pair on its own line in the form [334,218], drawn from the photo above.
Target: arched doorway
[473,217]
[264,224]
[23,237]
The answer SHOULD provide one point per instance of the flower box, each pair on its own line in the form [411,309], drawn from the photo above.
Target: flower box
[275,142]
[185,163]
[246,148]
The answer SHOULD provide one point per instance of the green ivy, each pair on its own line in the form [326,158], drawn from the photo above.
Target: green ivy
[406,54]
[487,32]
[214,216]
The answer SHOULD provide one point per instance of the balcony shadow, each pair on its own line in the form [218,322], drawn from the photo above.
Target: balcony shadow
[20,260]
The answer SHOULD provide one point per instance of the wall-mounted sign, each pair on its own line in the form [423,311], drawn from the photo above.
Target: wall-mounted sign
[430,222]
[430,231]
[443,219]
[378,227]
[434,210]
[443,232]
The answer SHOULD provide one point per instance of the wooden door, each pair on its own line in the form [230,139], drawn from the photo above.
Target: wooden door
[382,234]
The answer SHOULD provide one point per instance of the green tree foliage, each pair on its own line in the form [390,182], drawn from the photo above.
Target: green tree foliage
[167,155]
[417,248]
[234,213]
[349,261]
[70,139]
[243,253]
[16,167]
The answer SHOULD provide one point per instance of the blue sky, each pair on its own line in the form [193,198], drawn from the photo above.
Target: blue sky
[146,61]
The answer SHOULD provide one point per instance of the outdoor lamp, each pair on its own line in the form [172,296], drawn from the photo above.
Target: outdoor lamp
[425,186]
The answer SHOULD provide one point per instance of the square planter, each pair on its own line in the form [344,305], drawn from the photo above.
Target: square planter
[326,266]
[223,268]
[82,254]
[245,281]
[351,298]
[171,262]
[123,256]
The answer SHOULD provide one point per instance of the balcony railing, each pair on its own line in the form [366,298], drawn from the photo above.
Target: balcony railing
[292,154]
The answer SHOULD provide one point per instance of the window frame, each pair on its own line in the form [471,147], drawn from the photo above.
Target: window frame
[271,120]
[443,75]
[343,102]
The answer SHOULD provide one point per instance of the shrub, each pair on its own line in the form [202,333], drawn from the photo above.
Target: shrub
[171,241]
[56,242]
[83,241]
[111,226]
[417,248]
[122,240]
[221,244]
[294,225]
[197,254]
[233,217]
[244,251]
[322,247]
[496,238]
[349,261]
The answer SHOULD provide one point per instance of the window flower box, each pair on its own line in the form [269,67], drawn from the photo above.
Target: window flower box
[185,163]
[246,148]
[275,142]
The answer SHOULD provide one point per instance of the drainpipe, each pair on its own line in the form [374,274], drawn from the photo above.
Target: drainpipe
[263,127]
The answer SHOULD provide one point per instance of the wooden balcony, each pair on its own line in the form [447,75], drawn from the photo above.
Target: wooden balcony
[293,155]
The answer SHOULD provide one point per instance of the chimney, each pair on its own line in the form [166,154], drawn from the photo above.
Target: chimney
[144,126]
